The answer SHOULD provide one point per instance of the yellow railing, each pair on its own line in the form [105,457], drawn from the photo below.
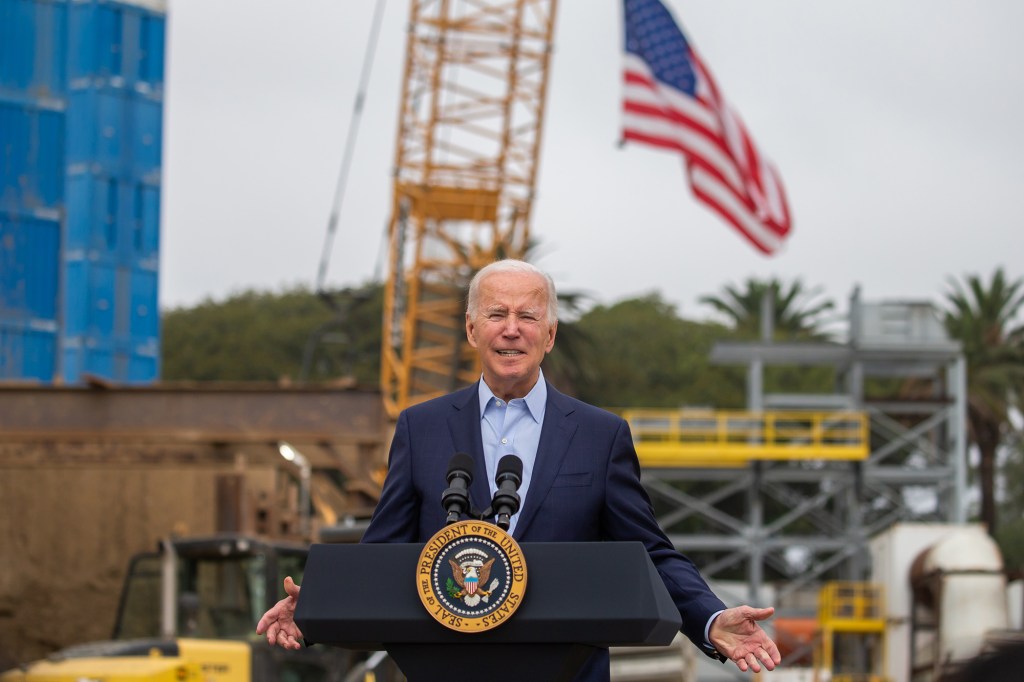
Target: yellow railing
[729,438]
[851,607]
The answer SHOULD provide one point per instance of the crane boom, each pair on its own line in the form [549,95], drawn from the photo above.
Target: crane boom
[469,132]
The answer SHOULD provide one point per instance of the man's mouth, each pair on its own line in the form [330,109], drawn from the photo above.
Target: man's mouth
[510,353]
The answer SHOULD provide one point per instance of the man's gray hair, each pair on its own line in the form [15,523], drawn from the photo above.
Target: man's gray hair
[511,265]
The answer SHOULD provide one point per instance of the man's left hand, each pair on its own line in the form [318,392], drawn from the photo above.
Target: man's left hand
[736,634]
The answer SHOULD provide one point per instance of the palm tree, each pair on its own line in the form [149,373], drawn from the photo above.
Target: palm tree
[796,314]
[981,318]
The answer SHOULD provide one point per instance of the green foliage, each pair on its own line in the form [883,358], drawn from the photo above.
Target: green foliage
[566,365]
[643,355]
[262,336]
[1010,534]
[1010,538]
[981,316]
[635,353]
[795,312]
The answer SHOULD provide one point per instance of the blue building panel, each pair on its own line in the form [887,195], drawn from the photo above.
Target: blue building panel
[88,355]
[145,319]
[101,300]
[29,268]
[147,240]
[115,132]
[146,125]
[151,50]
[97,130]
[28,351]
[117,41]
[141,367]
[81,217]
[32,162]
[33,48]
[112,217]
[102,357]
[89,292]
[94,41]
[76,292]
[81,118]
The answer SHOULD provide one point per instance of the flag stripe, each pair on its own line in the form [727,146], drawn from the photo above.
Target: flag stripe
[670,101]
[700,149]
[717,197]
[641,86]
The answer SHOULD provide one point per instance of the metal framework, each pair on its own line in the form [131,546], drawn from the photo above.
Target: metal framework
[472,108]
[807,519]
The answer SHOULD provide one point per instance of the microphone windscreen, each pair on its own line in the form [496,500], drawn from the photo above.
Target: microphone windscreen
[460,461]
[510,464]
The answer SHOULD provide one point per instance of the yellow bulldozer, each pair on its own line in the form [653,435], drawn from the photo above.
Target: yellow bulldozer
[188,613]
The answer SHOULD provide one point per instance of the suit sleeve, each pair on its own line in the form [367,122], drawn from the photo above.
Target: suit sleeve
[396,518]
[629,515]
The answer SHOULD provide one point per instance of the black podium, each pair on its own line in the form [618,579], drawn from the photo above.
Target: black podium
[578,596]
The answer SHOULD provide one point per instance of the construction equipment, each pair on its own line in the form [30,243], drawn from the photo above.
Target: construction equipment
[189,611]
[472,108]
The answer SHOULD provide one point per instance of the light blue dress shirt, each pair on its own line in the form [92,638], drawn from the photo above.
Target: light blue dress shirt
[512,428]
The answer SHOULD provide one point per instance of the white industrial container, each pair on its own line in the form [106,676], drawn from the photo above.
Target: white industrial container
[963,574]
[968,566]
[892,553]
[1015,597]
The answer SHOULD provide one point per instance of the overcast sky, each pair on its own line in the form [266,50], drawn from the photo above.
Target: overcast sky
[895,125]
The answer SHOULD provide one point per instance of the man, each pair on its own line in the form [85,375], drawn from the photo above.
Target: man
[581,477]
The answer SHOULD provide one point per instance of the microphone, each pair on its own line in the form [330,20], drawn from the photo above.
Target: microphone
[455,499]
[506,499]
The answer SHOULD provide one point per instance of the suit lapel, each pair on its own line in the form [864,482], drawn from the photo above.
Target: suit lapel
[464,426]
[555,436]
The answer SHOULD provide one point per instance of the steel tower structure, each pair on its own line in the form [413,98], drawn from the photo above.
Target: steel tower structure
[733,502]
[469,133]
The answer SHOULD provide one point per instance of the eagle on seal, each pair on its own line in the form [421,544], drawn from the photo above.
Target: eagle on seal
[470,575]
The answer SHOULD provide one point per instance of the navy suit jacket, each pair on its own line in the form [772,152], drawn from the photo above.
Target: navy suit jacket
[585,488]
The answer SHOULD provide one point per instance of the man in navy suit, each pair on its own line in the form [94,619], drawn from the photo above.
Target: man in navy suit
[581,477]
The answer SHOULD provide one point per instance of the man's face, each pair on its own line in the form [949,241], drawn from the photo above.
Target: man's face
[511,331]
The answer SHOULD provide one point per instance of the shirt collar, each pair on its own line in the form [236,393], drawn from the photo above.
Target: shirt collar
[536,399]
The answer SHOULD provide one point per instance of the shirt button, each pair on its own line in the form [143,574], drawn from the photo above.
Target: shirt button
[499,403]
[504,441]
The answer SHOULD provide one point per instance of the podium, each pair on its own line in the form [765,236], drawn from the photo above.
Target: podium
[579,596]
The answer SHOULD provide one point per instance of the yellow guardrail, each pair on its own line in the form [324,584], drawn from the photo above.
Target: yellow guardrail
[731,438]
[851,606]
[851,609]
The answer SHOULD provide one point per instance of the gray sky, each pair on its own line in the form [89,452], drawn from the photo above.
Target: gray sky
[895,125]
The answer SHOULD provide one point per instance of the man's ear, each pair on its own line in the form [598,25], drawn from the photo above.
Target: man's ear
[551,337]
[470,331]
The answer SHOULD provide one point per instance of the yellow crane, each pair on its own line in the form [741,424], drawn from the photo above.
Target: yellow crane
[469,134]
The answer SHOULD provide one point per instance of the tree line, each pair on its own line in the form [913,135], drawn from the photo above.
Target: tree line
[637,352]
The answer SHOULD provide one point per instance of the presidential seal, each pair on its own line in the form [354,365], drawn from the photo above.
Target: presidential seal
[471,576]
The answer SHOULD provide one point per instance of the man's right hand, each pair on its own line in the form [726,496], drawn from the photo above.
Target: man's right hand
[279,622]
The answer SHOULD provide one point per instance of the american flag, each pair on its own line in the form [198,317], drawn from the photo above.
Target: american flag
[671,101]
